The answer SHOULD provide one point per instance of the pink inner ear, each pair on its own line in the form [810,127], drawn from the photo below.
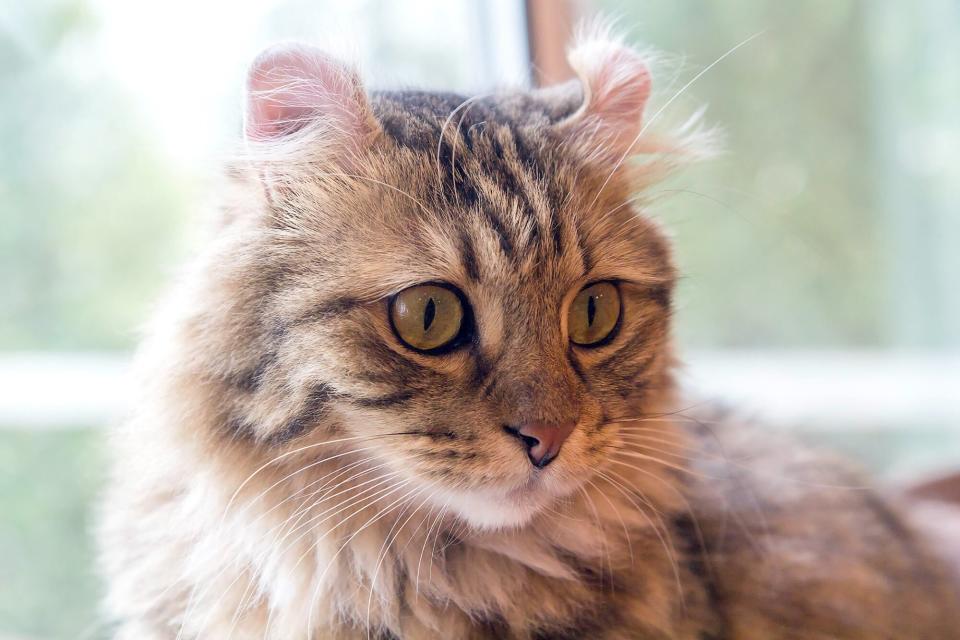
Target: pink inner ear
[619,89]
[290,86]
[616,86]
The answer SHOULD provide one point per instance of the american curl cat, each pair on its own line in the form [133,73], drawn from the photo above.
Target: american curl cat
[418,384]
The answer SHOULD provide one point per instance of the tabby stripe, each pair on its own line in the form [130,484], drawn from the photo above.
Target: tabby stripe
[396,131]
[626,352]
[328,309]
[382,402]
[641,336]
[250,381]
[525,188]
[558,199]
[468,256]
[923,572]
[586,255]
[438,434]
[402,369]
[627,382]
[314,408]
[556,226]
[487,369]
[452,172]
[886,516]
[497,225]
[577,369]
[481,367]
[509,183]
[240,429]
[487,390]
[385,377]
[589,622]
[491,624]
[696,555]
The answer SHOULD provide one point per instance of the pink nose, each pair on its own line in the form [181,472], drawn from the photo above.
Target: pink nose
[543,441]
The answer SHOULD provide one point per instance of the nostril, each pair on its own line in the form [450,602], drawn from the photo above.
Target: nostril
[528,441]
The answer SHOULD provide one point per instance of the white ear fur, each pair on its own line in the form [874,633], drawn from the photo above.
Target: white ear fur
[291,86]
[616,86]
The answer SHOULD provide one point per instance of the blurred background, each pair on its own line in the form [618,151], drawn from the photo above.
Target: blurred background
[820,253]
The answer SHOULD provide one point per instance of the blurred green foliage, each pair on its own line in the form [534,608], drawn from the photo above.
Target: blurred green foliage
[48,582]
[89,210]
[778,239]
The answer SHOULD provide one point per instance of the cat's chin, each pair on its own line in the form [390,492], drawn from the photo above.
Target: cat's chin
[493,509]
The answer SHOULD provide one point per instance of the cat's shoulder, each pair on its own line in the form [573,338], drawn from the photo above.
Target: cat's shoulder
[798,537]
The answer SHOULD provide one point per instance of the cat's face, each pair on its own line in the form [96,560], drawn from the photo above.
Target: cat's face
[466,286]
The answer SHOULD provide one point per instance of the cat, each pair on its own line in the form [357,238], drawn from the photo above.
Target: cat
[420,384]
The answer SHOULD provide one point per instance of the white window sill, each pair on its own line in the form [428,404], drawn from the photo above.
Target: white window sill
[788,389]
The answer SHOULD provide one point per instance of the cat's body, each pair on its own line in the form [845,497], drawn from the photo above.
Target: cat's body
[294,470]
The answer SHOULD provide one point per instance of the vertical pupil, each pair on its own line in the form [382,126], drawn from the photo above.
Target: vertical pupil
[591,310]
[429,313]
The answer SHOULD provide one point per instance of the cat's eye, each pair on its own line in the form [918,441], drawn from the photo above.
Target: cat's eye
[428,317]
[594,314]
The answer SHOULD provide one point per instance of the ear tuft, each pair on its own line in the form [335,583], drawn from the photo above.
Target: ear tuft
[616,85]
[291,86]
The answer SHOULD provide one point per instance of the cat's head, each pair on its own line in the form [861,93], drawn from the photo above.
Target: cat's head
[462,289]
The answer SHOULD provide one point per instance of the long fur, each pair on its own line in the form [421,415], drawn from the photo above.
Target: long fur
[293,471]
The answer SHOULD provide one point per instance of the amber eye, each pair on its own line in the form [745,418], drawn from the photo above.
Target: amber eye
[427,317]
[594,313]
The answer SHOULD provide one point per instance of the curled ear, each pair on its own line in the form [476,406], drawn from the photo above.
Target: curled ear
[293,86]
[615,82]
